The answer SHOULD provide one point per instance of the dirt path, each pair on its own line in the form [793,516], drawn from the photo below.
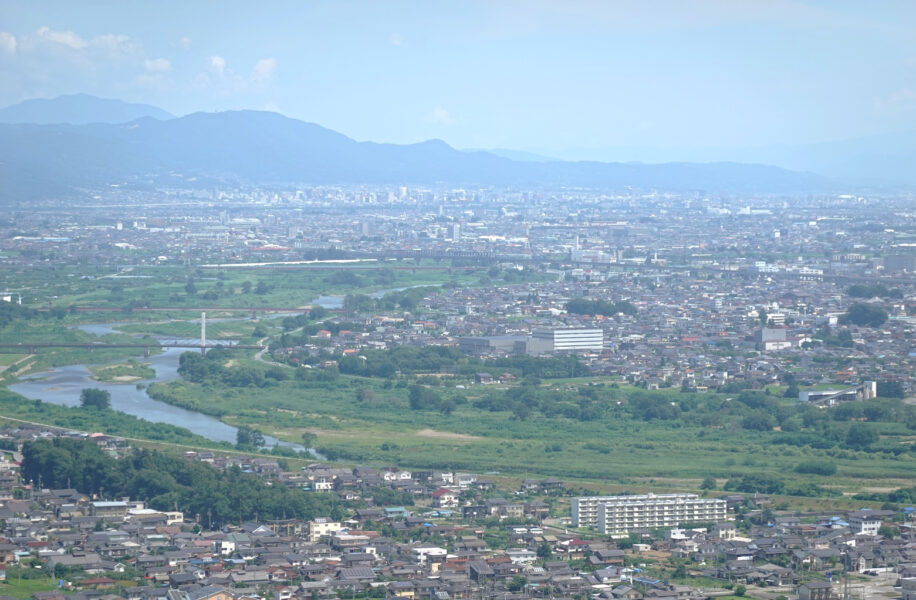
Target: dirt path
[13,364]
[260,355]
[446,435]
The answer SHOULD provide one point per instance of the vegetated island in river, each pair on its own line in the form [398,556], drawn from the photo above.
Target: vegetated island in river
[131,371]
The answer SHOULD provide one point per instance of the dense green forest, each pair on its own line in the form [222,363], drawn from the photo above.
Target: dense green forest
[166,482]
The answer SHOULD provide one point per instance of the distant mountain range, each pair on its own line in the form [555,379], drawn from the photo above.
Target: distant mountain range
[78,109]
[877,160]
[519,155]
[51,158]
[880,160]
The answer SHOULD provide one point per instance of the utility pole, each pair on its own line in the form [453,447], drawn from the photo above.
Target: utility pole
[203,332]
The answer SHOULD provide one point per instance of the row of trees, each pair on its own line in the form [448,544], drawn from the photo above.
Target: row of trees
[11,312]
[190,288]
[769,484]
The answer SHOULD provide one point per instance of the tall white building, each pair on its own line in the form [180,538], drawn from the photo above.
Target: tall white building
[622,514]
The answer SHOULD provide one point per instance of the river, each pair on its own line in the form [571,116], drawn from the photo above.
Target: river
[62,385]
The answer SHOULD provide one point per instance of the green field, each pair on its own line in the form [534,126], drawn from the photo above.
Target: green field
[8,359]
[615,452]
[24,588]
[177,287]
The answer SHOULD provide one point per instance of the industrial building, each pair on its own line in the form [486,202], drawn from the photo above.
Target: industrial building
[541,341]
[900,263]
[558,340]
[483,345]
[825,398]
[772,339]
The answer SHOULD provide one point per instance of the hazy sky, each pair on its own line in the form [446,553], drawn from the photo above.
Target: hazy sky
[535,75]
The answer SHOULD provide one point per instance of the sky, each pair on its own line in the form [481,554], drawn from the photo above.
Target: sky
[569,78]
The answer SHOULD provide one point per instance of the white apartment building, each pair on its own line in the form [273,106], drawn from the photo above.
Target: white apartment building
[622,514]
[866,522]
[323,527]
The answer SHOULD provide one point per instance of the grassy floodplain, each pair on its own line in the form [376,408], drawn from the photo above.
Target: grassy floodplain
[614,452]
[167,286]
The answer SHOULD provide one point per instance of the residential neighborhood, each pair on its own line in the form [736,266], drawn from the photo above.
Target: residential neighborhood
[459,536]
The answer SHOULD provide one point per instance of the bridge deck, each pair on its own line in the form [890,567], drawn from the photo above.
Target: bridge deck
[102,346]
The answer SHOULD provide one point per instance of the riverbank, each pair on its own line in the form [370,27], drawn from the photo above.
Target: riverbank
[14,407]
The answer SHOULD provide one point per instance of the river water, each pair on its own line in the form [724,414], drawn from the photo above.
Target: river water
[62,385]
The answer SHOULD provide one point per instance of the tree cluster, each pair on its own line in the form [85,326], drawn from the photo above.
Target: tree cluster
[11,312]
[199,369]
[873,291]
[863,315]
[581,306]
[164,482]
[247,438]
[95,399]
[440,359]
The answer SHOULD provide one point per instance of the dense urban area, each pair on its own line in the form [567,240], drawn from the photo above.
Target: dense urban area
[400,392]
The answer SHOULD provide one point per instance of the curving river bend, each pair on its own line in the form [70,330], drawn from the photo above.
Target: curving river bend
[62,385]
